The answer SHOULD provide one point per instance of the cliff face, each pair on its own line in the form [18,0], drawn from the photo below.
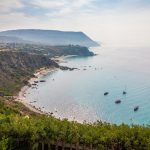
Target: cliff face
[24,60]
[17,67]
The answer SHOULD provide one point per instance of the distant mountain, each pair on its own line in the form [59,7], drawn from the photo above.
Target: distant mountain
[51,37]
[11,39]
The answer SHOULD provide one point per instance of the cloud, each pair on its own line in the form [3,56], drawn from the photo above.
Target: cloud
[59,3]
[7,6]
[48,3]
[59,8]
[18,20]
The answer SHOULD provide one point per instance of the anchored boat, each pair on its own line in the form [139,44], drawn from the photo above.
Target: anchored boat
[136,108]
[118,101]
[106,93]
[124,92]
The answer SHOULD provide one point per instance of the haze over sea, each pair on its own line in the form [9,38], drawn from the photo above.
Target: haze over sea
[79,94]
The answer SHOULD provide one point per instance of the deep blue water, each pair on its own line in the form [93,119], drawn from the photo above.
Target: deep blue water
[79,94]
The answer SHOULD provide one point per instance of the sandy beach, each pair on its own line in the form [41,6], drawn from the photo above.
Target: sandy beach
[21,95]
[71,111]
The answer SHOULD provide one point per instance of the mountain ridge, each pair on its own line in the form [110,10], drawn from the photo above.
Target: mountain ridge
[51,37]
[11,39]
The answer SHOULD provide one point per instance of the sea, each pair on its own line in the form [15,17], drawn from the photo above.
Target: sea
[78,95]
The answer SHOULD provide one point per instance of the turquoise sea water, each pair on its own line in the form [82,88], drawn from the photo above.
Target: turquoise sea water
[79,94]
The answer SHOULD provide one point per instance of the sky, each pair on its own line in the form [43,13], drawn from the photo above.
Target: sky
[111,22]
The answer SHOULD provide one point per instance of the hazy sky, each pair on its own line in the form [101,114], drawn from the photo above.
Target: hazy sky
[117,22]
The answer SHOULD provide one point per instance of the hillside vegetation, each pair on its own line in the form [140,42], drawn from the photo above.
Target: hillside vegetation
[48,50]
[41,128]
[17,67]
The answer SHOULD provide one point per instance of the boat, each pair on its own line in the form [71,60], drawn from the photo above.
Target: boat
[124,92]
[118,101]
[106,93]
[136,108]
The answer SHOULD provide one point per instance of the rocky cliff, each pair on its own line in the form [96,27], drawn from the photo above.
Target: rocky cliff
[17,67]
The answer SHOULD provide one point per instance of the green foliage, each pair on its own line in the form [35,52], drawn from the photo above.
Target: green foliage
[47,128]
[4,144]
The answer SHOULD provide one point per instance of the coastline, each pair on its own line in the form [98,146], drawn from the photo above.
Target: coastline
[71,116]
[71,112]
[21,95]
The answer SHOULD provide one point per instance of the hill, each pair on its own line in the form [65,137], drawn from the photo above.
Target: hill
[11,39]
[51,37]
[16,68]
[19,61]
[48,50]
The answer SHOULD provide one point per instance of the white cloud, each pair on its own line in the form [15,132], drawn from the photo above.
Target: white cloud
[18,20]
[62,7]
[59,3]
[48,3]
[8,5]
